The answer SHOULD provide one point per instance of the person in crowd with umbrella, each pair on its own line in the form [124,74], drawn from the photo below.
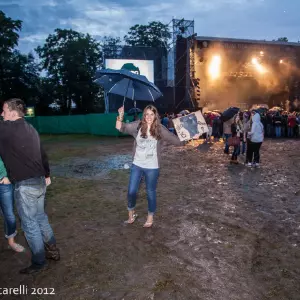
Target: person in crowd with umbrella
[165,120]
[240,121]
[171,126]
[269,125]
[228,118]
[227,133]
[149,135]
[239,133]
[217,126]
[235,132]
[278,123]
[247,129]
[209,119]
[256,137]
[291,124]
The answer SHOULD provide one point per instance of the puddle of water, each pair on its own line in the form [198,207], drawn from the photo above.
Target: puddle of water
[84,168]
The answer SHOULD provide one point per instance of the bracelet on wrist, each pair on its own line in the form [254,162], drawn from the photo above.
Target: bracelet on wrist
[119,119]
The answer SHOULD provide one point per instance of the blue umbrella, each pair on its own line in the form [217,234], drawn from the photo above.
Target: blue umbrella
[127,84]
[107,81]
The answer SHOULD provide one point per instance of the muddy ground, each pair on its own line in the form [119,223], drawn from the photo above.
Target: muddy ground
[222,232]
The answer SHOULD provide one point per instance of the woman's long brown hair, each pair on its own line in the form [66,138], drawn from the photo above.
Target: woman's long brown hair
[155,129]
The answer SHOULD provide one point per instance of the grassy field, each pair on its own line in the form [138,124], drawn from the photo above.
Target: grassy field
[221,232]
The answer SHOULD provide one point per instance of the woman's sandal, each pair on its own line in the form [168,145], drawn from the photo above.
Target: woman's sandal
[148,224]
[17,247]
[132,219]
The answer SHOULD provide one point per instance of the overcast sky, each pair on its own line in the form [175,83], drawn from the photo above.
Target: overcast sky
[253,19]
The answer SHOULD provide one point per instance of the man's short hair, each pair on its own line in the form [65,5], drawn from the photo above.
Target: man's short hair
[17,105]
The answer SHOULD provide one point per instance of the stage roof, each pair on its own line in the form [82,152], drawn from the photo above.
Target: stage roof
[246,41]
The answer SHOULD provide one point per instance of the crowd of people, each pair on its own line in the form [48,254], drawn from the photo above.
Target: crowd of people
[281,123]
[251,127]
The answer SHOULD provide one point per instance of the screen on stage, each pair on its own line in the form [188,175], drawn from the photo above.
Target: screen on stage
[141,67]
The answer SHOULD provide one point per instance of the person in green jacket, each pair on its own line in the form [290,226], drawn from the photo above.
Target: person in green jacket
[7,208]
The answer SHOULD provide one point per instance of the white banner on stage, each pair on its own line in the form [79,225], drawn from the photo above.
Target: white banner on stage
[190,125]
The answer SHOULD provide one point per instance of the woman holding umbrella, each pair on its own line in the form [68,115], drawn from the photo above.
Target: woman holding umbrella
[149,135]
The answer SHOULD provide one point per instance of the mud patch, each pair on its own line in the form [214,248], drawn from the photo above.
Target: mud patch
[87,168]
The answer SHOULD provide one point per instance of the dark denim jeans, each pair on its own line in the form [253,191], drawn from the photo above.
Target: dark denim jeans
[30,202]
[236,151]
[151,178]
[7,208]
[278,131]
[269,130]
[290,131]
[227,136]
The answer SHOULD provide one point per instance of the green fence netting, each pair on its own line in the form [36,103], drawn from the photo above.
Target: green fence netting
[97,124]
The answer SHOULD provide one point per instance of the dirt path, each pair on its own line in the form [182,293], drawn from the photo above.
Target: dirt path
[222,232]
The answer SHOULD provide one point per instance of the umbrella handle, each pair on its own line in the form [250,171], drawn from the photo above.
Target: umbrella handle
[126,92]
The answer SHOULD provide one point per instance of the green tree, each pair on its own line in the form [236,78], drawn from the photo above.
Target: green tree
[9,33]
[9,36]
[283,39]
[155,34]
[111,46]
[21,77]
[71,59]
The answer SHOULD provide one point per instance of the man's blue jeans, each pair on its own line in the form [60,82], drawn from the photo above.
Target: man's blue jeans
[151,178]
[7,208]
[30,201]
[278,131]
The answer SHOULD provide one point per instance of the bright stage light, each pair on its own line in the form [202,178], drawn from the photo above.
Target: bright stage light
[261,53]
[281,61]
[258,66]
[215,67]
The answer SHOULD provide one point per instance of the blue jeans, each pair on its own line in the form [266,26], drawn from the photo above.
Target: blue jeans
[243,148]
[151,178]
[30,201]
[7,208]
[227,136]
[290,131]
[236,151]
[278,131]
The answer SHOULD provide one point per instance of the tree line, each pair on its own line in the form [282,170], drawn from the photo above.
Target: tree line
[62,70]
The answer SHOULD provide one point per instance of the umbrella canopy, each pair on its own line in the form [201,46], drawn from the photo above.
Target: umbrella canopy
[107,81]
[134,111]
[229,113]
[184,112]
[127,84]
